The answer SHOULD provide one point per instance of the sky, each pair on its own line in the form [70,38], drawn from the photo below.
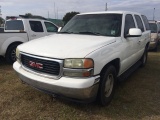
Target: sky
[58,8]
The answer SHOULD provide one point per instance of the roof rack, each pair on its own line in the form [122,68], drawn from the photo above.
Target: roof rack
[32,17]
[25,17]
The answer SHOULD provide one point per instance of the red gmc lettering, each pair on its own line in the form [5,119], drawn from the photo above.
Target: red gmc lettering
[35,65]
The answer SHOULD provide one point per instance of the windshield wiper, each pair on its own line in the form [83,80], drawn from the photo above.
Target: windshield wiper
[90,33]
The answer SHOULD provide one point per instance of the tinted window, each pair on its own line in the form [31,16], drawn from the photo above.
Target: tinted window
[50,27]
[153,27]
[95,24]
[36,26]
[146,22]
[129,23]
[158,26]
[1,29]
[14,25]
[139,23]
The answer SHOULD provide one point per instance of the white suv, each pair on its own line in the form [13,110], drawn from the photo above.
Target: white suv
[83,61]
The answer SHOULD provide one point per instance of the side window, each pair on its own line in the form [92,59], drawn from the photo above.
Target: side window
[146,22]
[129,23]
[139,22]
[36,26]
[50,27]
[158,27]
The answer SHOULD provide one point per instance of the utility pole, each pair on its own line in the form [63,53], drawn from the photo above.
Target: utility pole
[48,14]
[153,13]
[0,17]
[106,7]
[54,10]
[0,12]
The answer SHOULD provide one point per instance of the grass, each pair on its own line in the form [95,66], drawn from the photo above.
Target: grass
[136,98]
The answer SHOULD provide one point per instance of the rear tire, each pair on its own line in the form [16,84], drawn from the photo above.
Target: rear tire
[11,54]
[107,85]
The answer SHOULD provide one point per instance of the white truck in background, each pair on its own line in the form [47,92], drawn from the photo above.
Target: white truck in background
[18,30]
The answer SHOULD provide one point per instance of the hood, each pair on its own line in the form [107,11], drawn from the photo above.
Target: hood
[65,45]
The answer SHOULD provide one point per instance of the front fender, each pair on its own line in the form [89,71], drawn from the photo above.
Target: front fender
[103,56]
[9,41]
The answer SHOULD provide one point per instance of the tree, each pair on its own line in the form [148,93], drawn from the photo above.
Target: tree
[29,15]
[1,21]
[68,16]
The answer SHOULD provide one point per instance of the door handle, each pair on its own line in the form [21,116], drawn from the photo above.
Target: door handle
[33,35]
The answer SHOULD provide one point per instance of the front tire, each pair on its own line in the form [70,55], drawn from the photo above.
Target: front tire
[107,85]
[11,54]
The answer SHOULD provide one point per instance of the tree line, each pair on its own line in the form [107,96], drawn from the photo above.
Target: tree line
[65,19]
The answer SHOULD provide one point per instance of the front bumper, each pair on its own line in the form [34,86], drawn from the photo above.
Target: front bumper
[75,88]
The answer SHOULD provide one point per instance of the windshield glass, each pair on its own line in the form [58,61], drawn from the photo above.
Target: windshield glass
[153,27]
[14,25]
[95,24]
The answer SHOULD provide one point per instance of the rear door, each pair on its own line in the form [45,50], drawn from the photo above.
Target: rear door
[36,29]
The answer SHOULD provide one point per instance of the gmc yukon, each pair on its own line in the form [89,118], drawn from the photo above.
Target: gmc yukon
[87,57]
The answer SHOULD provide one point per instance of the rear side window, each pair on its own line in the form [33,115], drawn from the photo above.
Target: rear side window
[50,27]
[145,20]
[14,25]
[129,23]
[36,26]
[153,27]
[139,22]
[158,26]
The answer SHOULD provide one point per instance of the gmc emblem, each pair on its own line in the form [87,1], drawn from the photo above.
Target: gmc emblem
[35,65]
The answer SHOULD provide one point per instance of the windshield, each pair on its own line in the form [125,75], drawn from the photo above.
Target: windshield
[95,24]
[14,25]
[153,27]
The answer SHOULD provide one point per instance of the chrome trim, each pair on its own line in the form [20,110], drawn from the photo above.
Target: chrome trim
[41,73]
[76,70]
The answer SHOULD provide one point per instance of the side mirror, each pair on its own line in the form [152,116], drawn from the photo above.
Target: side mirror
[59,29]
[134,32]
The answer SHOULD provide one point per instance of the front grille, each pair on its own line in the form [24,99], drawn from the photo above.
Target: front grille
[49,67]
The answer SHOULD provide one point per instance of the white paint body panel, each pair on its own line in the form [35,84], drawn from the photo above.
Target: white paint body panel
[11,36]
[101,49]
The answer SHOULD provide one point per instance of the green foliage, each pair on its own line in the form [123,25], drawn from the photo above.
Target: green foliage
[29,15]
[1,21]
[69,15]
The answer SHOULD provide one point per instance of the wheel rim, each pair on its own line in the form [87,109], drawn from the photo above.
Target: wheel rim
[13,55]
[109,85]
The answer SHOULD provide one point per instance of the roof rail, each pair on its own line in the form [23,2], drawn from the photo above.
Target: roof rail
[25,17]
[32,17]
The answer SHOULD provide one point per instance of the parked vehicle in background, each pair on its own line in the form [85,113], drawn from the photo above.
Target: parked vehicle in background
[155,35]
[83,61]
[1,29]
[18,30]
[159,28]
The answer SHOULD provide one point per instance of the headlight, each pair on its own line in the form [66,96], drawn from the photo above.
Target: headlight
[78,67]
[18,54]
[78,63]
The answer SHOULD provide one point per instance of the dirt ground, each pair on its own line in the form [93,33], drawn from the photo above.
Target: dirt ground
[136,98]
